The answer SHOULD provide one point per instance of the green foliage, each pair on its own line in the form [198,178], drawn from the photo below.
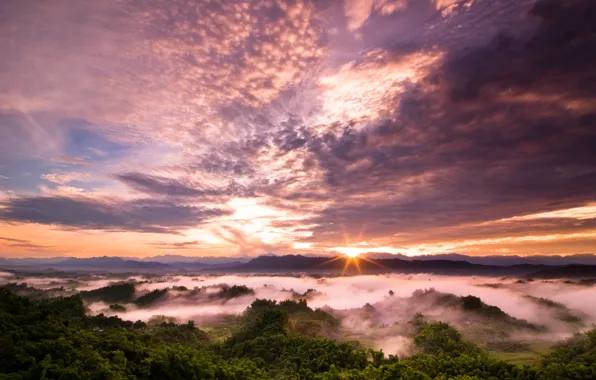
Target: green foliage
[266,340]
[583,345]
[560,311]
[547,302]
[439,337]
[474,306]
[497,285]
[301,318]
[24,289]
[575,359]
[161,320]
[115,293]
[507,346]
[117,307]
[54,339]
[151,297]
[229,292]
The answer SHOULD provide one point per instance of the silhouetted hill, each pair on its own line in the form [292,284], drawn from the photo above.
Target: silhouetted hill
[298,263]
[583,259]
[208,260]
[106,263]
[199,265]
[109,263]
[302,261]
[291,263]
[287,262]
[566,271]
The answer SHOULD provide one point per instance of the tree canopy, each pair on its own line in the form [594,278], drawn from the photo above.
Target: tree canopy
[55,339]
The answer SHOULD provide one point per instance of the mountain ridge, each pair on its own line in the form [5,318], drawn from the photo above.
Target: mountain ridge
[505,260]
[438,264]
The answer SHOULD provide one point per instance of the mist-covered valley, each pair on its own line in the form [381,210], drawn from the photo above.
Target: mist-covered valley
[515,319]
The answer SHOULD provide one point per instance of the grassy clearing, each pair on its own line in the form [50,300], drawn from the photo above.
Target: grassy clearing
[531,357]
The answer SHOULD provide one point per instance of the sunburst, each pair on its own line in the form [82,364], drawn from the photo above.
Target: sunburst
[352,260]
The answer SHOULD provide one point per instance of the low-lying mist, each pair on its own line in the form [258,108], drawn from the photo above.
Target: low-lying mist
[374,310]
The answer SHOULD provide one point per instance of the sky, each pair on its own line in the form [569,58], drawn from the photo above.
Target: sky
[220,128]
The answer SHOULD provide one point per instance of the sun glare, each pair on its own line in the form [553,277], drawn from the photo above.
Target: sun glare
[350,251]
[355,253]
[353,259]
[352,254]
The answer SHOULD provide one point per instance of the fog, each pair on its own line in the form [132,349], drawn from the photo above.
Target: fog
[356,291]
[363,304]
[5,274]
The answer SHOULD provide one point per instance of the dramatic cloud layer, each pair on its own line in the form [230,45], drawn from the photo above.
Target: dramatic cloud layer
[242,127]
[139,215]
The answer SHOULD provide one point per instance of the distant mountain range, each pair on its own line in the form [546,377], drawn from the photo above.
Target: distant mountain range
[583,259]
[109,262]
[298,263]
[450,264]
[117,263]
[211,260]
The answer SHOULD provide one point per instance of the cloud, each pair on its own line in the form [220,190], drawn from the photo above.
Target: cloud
[156,185]
[369,89]
[161,74]
[358,11]
[67,160]
[141,215]
[25,136]
[403,123]
[21,243]
[64,178]
[178,245]
[472,142]
[13,240]
[579,213]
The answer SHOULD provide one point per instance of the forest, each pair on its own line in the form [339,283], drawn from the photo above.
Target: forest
[45,335]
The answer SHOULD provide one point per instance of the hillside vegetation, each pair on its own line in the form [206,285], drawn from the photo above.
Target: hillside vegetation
[55,339]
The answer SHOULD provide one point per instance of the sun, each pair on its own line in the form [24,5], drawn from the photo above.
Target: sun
[352,259]
[351,254]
